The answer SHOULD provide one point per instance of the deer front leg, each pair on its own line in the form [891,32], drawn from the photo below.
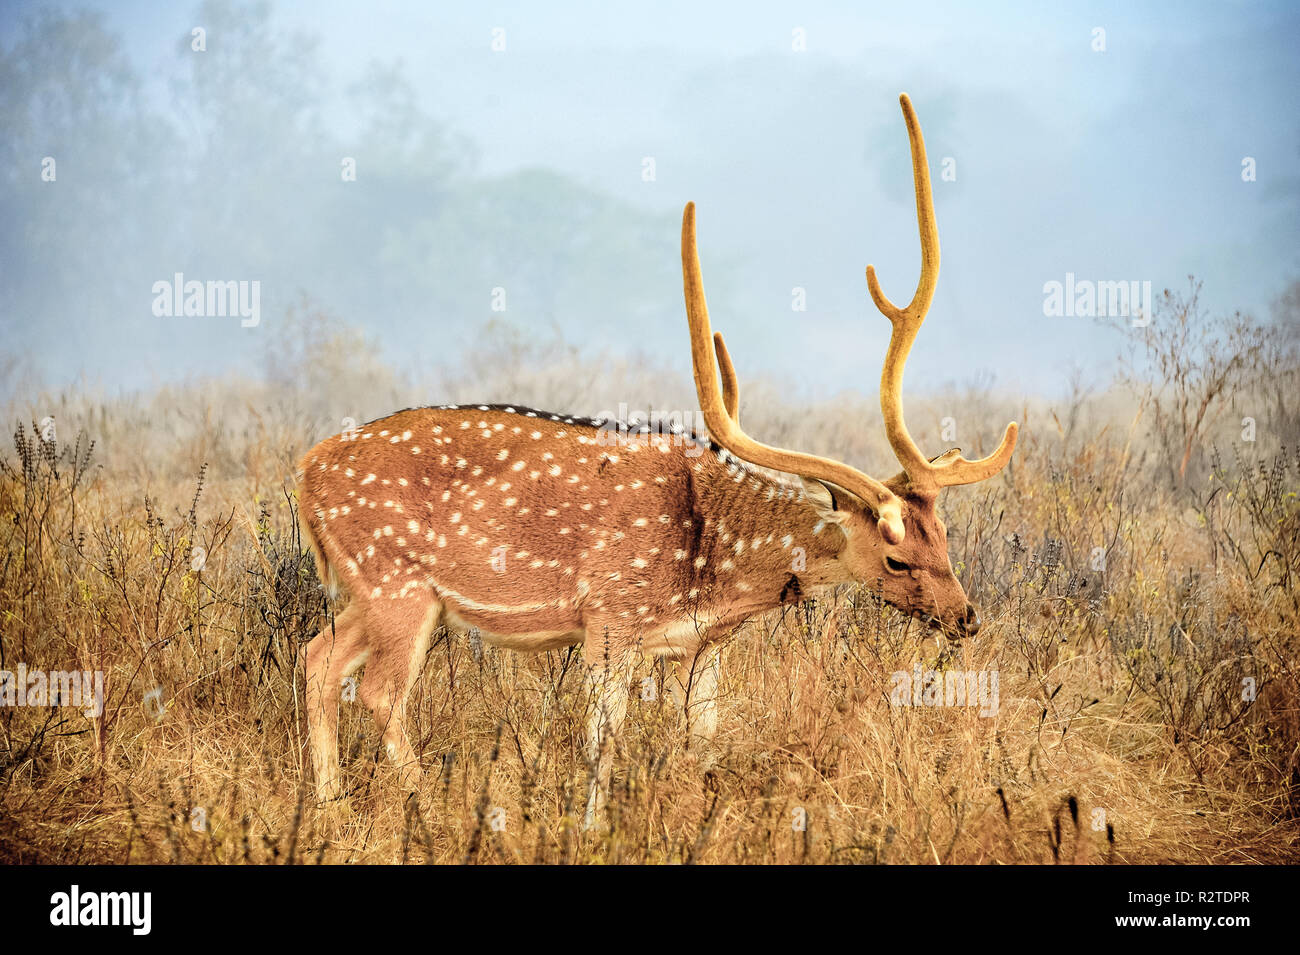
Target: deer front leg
[607,682]
[694,684]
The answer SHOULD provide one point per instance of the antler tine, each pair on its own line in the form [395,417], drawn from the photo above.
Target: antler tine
[907,321]
[949,469]
[957,470]
[720,412]
[927,226]
[730,385]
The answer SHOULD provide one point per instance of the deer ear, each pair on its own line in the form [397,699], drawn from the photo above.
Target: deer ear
[829,498]
[826,498]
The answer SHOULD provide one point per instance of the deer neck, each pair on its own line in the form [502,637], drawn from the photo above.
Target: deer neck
[763,544]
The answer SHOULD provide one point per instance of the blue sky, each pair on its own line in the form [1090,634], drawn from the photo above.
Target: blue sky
[1115,165]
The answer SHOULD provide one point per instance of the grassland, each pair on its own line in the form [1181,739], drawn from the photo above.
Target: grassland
[1143,624]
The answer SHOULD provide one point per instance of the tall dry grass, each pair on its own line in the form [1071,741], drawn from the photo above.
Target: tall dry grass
[1122,615]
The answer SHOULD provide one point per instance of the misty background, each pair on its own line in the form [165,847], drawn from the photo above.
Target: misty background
[506,147]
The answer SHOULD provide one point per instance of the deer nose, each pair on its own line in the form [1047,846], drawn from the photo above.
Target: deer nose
[970,623]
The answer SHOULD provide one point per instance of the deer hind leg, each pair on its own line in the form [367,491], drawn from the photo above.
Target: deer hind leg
[334,655]
[607,681]
[694,684]
[399,632]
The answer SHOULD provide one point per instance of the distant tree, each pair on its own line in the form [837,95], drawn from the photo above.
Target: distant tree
[78,160]
[1194,365]
[233,169]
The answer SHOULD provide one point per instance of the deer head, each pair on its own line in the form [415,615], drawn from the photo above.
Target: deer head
[895,541]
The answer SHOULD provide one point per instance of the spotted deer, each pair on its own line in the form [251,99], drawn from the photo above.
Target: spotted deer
[539,532]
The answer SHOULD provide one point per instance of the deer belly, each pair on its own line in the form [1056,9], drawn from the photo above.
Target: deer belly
[516,627]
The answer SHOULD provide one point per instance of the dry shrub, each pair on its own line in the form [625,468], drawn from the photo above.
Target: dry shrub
[1145,648]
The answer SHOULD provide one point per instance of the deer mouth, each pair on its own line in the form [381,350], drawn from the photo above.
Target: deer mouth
[929,619]
[952,631]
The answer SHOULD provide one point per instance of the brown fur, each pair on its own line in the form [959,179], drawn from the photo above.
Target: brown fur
[542,531]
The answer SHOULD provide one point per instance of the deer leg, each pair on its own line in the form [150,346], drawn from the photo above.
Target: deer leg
[336,653]
[694,685]
[607,681]
[399,639]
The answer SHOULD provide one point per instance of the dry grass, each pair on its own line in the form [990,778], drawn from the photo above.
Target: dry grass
[1121,733]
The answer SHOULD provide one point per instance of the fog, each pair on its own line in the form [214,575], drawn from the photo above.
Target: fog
[422,170]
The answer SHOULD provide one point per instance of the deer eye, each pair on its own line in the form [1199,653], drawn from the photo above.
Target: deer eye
[896,565]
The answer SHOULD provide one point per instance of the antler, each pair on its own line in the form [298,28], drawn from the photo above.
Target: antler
[950,468]
[730,385]
[721,407]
